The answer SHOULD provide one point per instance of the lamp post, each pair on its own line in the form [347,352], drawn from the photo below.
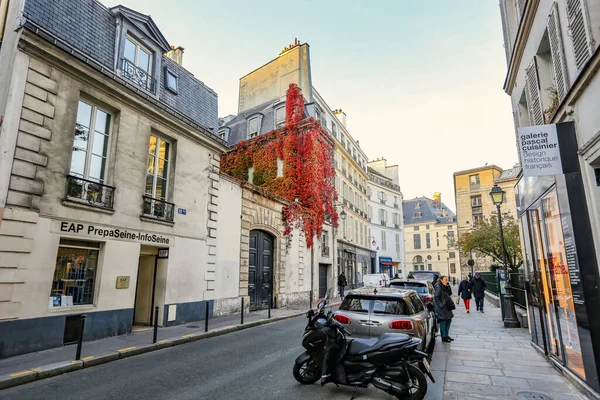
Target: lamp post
[343,217]
[510,319]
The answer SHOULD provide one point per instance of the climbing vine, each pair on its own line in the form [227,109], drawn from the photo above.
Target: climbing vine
[308,179]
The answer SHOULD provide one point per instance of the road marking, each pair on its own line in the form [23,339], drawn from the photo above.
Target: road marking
[87,358]
[16,374]
[128,348]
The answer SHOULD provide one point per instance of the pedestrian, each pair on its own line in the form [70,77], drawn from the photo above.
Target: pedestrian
[464,291]
[396,276]
[342,282]
[478,289]
[443,306]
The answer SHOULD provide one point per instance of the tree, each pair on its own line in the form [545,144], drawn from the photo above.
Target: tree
[485,238]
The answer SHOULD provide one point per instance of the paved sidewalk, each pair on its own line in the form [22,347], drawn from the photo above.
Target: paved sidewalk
[488,361]
[15,365]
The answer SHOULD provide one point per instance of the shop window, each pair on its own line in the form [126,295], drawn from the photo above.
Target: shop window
[75,273]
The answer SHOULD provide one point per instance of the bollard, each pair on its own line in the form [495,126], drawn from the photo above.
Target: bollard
[275,302]
[270,305]
[80,340]
[206,318]
[155,324]
[242,313]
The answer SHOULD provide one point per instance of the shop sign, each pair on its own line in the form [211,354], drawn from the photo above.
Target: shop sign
[540,154]
[102,232]
[163,253]
[385,259]
[572,262]
[123,282]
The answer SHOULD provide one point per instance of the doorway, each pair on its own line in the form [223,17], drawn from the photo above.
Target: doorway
[323,274]
[260,269]
[143,292]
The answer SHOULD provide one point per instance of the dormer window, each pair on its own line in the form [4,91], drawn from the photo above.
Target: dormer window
[137,64]
[224,134]
[171,80]
[279,117]
[253,127]
[418,205]
[417,215]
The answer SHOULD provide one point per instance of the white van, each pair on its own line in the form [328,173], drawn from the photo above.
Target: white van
[375,280]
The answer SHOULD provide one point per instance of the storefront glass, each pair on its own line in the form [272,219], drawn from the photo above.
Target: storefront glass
[561,285]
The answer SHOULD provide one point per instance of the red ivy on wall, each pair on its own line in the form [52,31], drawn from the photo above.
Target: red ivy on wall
[308,180]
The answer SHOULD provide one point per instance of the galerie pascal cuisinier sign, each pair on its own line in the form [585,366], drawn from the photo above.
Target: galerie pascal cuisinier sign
[108,233]
[540,154]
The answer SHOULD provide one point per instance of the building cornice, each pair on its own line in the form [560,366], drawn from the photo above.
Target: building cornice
[520,42]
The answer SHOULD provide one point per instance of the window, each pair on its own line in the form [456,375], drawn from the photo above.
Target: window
[532,94]
[453,268]
[279,167]
[75,273]
[426,226]
[474,181]
[439,257]
[171,81]
[417,215]
[382,216]
[417,303]
[362,234]
[476,201]
[4,20]
[334,129]
[253,128]
[417,241]
[137,63]
[325,244]
[397,243]
[90,143]
[356,231]
[223,134]
[279,117]
[418,205]
[428,240]
[370,212]
[383,240]
[559,69]
[157,172]
[477,218]
[416,228]
[318,115]
[452,254]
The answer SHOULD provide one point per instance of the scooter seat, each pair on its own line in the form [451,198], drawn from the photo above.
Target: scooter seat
[359,347]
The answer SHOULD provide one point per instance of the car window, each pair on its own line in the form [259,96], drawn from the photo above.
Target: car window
[417,303]
[399,306]
[355,304]
[424,276]
[409,286]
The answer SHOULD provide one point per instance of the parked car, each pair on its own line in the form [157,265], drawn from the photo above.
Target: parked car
[431,276]
[369,313]
[424,289]
[375,280]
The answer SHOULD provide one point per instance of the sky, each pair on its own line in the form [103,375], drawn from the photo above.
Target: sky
[420,81]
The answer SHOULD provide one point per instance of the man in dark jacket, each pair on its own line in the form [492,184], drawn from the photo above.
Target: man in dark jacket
[443,306]
[479,286]
[342,283]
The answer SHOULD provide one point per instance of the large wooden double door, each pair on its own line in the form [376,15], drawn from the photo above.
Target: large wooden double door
[260,271]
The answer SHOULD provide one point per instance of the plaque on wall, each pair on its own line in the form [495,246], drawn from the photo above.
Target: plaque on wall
[123,282]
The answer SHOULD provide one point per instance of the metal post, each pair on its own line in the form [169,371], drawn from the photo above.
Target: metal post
[80,340]
[510,320]
[155,324]
[242,313]
[275,302]
[206,318]
[270,304]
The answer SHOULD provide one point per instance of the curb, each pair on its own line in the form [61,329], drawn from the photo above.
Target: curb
[63,367]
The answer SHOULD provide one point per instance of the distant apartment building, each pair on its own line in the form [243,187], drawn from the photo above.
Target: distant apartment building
[553,58]
[430,236]
[473,203]
[261,109]
[385,217]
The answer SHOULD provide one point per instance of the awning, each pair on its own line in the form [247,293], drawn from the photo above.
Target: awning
[385,263]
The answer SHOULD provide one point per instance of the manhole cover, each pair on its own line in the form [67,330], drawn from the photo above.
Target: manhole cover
[192,326]
[532,396]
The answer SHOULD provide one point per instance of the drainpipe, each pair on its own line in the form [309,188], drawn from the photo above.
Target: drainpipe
[312,274]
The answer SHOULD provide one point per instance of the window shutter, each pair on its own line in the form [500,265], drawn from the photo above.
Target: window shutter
[580,33]
[532,93]
[561,78]
[507,41]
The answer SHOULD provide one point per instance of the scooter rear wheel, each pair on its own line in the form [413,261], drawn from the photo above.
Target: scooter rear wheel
[307,372]
[417,384]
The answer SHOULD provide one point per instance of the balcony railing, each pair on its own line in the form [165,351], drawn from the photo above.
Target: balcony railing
[137,75]
[158,209]
[383,223]
[90,193]
[397,226]
[325,251]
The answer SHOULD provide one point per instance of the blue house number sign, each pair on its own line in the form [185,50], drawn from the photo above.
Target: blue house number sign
[181,211]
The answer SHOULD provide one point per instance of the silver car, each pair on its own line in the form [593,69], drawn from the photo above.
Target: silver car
[372,312]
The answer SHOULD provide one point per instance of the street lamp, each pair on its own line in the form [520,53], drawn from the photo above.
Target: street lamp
[510,319]
[343,217]
[373,242]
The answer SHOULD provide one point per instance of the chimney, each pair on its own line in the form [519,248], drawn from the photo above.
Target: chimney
[341,116]
[437,198]
[176,54]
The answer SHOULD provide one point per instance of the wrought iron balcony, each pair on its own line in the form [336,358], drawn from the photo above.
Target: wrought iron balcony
[158,209]
[137,75]
[89,192]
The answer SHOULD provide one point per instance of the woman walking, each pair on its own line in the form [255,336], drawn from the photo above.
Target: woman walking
[464,291]
[443,306]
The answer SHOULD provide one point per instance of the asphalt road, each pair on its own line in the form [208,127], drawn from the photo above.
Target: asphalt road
[252,364]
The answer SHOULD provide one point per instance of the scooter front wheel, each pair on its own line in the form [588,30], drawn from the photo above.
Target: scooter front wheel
[307,372]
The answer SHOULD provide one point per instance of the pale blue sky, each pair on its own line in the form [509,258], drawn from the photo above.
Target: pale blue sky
[420,81]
